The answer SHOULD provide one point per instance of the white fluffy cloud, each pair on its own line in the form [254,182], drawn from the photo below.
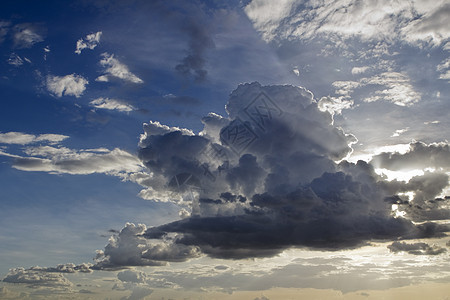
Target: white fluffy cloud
[114,68]
[89,42]
[24,138]
[69,85]
[111,104]
[334,105]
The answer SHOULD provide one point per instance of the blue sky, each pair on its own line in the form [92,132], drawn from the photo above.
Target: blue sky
[224,150]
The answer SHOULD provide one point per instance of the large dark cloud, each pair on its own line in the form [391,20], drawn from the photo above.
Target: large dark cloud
[276,152]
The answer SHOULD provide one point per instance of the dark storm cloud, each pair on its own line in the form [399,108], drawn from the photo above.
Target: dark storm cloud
[276,151]
[416,248]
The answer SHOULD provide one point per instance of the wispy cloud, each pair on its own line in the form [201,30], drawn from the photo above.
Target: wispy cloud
[392,87]
[4,28]
[61,160]
[16,60]
[69,85]
[111,104]
[89,42]
[26,35]
[412,22]
[114,68]
[21,138]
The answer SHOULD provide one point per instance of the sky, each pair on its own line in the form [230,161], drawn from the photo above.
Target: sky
[224,149]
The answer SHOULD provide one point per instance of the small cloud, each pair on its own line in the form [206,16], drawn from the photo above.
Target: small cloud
[359,70]
[444,69]
[46,51]
[26,35]
[398,132]
[334,105]
[111,104]
[89,42]
[69,85]
[114,68]
[416,248]
[296,71]
[15,60]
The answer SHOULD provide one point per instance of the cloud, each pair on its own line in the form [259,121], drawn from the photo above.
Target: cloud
[334,105]
[412,22]
[429,27]
[416,248]
[444,69]
[393,87]
[66,268]
[135,278]
[89,42]
[36,278]
[419,156]
[16,60]
[69,85]
[4,28]
[359,70]
[132,276]
[139,292]
[26,35]
[199,41]
[276,153]
[21,138]
[267,15]
[130,248]
[114,68]
[62,160]
[398,132]
[111,104]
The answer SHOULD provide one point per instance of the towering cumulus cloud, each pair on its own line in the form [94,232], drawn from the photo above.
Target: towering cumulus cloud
[264,179]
